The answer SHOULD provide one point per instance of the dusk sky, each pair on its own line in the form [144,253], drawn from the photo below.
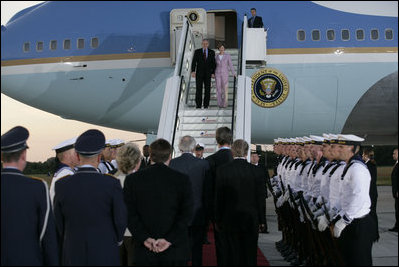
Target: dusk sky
[46,130]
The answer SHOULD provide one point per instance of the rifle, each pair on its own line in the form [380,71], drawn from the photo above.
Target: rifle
[317,244]
[337,257]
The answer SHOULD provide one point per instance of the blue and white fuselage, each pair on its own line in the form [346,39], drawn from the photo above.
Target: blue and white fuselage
[113,71]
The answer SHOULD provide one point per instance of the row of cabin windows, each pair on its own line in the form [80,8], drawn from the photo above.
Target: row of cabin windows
[345,35]
[66,44]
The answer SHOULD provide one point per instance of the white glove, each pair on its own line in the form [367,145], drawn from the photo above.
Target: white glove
[318,213]
[120,243]
[319,200]
[280,201]
[339,227]
[322,223]
[301,217]
[286,195]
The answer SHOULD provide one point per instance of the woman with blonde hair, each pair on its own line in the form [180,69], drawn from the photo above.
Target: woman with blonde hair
[129,159]
[223,65]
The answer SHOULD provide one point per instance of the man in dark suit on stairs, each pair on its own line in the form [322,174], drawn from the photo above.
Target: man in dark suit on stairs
[196,169]
[203,68]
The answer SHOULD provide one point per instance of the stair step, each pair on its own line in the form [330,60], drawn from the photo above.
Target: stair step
[205,120]
[212,103]
[203,127]
[199,133]
[207,112]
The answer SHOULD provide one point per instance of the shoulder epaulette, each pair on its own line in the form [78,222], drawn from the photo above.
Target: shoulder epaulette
[63,177]
[36,178]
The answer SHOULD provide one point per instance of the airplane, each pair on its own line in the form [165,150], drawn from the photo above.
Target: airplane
[107,63]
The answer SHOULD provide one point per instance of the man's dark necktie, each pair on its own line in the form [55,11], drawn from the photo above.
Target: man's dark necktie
[204,55]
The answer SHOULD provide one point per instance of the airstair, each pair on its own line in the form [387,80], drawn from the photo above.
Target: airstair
[179,116]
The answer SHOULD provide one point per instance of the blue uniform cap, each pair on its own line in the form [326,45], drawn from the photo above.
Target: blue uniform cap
[14,140]
[90,143]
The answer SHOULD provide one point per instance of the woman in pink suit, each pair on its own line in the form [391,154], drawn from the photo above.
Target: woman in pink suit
[223,65]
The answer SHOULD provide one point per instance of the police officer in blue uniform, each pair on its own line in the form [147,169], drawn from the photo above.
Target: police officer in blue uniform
[90,212]
[28,234]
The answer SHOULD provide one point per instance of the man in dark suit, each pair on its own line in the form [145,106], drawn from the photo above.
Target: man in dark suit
[368,157]
[255,21]
[28,234]
[203,68]
[224,138]
[89,208]
[394,180]
[196,169]
[145,162]
[159,202]
[240,207]
[255,162]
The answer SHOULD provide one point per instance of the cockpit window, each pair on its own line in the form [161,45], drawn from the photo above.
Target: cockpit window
[81,43]
[67,44]
[39,46]
[26,47]
[53,45]
[94,42]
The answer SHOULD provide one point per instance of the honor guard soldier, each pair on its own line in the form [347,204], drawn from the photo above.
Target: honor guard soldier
[66,159]
[105,165]
[28,234]
[90,212]
[116,144]
[354,225]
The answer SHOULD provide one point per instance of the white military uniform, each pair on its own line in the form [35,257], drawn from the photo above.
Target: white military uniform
[63,169]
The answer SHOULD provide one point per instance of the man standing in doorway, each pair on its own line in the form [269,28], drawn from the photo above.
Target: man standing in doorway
[394,177]
[255,21]
[203,68]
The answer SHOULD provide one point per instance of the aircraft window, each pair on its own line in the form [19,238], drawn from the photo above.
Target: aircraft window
[316,35]
[360,34]
[94,42]
[374,34]
[26,47]
[39,46]
[388,34]
[330,35]
[53,45]
[67,44]
[345,35]
[300,35]
[81,43]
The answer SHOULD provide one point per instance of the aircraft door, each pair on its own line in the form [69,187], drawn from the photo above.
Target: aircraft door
[198,19]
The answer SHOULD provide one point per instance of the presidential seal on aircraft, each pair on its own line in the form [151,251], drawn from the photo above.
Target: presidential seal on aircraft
[270,88]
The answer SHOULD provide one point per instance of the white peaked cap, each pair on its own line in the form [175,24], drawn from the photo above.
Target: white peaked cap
[65,143]
[350,138]
[119,142]
[333,136]
[200,144]
[316,138]
[306,139]
[326,136]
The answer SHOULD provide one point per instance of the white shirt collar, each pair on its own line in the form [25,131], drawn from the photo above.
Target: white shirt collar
[240,158]
[87,166]
[224,147]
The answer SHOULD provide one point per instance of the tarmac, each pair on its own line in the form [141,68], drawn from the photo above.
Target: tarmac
[385,251]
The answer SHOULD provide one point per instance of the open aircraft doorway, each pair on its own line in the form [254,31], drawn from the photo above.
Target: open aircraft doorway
[222,27]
